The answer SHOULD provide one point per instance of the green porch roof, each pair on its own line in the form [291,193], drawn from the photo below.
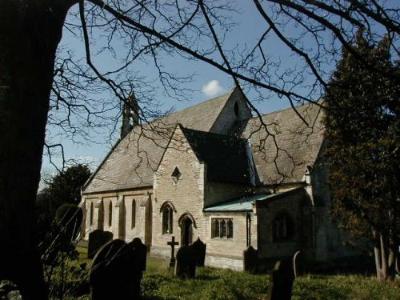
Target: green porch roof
[244,203]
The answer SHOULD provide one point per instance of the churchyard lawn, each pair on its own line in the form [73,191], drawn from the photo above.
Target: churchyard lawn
[225,284]
[159,283]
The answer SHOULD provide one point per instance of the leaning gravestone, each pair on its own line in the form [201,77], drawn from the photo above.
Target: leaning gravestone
[185,263]
[250,260]
[199,251]
[298,266]
[138,266]
[111,272]
[97,239]
[282,280]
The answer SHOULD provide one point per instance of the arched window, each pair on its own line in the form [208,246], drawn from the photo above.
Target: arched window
[167,218]
[229,233]
[91,211]
[110,213]
[214,228]
[282,228]
[236,109]
[222,231]
[133,214]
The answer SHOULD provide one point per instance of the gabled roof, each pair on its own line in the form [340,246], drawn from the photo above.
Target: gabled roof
[133,160]
[292,146]
[225,156]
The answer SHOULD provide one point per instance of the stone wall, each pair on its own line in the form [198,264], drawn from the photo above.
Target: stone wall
[330,241]
[121,206]
[185,195]
[234,110]
[294,205]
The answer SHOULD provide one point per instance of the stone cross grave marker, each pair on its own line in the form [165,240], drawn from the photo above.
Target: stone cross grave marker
[172,243]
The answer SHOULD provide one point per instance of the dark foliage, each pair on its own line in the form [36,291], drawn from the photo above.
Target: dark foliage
[363,131]
[62,188]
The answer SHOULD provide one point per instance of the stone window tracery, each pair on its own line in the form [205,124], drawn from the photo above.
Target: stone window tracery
[222,228]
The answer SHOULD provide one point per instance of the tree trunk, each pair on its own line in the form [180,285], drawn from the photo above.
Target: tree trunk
[30,31]
[386,258]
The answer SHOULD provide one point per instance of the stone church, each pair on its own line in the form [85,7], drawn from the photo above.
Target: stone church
[215,172]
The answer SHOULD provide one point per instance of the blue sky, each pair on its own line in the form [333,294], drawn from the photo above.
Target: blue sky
[207,83]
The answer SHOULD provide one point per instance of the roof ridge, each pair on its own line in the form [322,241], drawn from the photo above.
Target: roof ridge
[282,110]
[227,94]
[212,133]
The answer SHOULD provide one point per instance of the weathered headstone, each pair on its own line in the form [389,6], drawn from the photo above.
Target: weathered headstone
[282,280]
[185,263]
[69,220]
[97,239]
[110,275]
[298,267]
[138,266]
[250,260]
[199,250]
[172,243]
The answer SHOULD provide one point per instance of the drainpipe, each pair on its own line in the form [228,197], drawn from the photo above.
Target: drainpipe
[248,230]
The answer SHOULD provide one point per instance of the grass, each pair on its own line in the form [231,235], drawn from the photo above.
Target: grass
[210,283]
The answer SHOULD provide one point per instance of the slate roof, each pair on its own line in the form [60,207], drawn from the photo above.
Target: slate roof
[132,161]
[292,144]
[245,203]
[225,156]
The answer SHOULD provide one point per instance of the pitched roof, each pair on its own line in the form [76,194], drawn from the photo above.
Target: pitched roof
[283,155]
[225,156]
[133,160]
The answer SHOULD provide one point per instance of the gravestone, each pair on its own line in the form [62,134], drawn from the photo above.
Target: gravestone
[298,266]
[111,272]
[139,265]
[199,250]
[250,260]
[97,239]
[282,279]
[172,243]
[69,219]
[185,263]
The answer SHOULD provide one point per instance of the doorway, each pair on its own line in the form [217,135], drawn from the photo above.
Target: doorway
[186,225]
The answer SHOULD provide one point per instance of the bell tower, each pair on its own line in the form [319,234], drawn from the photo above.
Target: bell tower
[130,115]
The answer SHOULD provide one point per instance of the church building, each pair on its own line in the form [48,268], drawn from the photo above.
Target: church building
[216,173]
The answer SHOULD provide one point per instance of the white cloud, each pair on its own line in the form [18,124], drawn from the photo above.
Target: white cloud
[212,88]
